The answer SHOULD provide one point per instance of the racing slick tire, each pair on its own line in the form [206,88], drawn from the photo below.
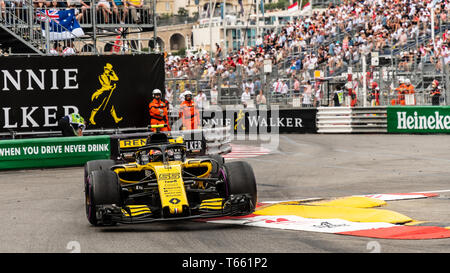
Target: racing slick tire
[240,180]
[94,165]
[103,188]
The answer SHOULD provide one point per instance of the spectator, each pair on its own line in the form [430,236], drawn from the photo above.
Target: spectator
[218,51]
[105,7]
[2,10]
[40,4]
[317,95]
[277,88]
[435,93]
[307,95]
[261,99]
[56,50]
[246,97]
[169,96]
[118,7]
[249,84]
[285,90]
[57,5]
[135,6]
[68,49]
[77,4]
[200,100]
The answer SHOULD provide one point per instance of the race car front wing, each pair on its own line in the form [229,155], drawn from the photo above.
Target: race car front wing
[235,205]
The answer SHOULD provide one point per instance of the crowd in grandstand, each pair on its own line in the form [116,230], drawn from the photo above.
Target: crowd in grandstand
[331,39]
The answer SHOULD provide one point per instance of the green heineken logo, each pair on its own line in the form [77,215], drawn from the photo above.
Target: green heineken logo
[418,119]
[431,121]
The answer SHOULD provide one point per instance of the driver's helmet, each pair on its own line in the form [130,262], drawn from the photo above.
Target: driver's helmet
[155,155]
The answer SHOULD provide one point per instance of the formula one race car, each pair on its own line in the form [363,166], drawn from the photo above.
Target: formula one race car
[163,183]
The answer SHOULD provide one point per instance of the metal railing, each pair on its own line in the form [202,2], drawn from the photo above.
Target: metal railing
[96,18]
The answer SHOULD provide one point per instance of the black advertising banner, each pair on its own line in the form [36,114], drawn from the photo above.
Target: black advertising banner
[253,121]
[108,91]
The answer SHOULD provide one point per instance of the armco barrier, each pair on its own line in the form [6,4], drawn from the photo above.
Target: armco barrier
[53,152]
[351,120]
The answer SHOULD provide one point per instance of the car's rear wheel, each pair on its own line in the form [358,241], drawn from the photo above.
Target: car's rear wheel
[103,188]
[239,180]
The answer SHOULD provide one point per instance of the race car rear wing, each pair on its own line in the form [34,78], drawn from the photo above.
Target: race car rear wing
[198,142]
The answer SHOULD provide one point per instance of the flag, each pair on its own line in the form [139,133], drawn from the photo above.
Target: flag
[293,7]
[62,24]
[306,8]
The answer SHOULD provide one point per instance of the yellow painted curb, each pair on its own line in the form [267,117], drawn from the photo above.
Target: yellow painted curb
[345,213]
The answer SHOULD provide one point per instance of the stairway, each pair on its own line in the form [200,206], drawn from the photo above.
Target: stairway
[19,37]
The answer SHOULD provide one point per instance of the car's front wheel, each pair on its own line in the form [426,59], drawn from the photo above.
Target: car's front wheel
[103,188]
[239,180]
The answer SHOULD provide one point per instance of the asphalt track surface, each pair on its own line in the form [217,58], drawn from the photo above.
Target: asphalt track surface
[43,209]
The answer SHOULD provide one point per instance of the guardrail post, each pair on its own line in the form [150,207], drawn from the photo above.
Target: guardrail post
[47,36]
[30,21]
[94,26]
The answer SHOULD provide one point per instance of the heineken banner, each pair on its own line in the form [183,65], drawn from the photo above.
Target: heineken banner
[270,120]
[53,152]
[418,119]
[108,91]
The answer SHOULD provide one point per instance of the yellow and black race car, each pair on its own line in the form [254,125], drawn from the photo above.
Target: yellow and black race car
[164,183]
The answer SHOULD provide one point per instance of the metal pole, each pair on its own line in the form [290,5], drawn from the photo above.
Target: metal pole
[225,38]
[432,27]
[155,36]
[47,36]
[210,31]
[94,26]
[364,79]
[257,18]
[30,22]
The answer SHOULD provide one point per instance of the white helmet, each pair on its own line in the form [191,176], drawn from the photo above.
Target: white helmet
[187,92]
[156,91]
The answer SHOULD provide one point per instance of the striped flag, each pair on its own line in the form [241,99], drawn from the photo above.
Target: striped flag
[306,9]
[293,7]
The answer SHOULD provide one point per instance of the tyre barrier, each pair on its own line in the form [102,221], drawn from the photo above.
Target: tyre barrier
[76,151]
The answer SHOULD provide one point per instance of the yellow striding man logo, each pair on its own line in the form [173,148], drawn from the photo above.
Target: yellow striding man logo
[102,97]
[240,120]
